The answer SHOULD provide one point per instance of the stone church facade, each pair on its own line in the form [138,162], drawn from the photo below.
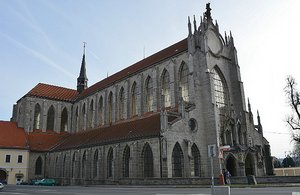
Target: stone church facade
[153,119]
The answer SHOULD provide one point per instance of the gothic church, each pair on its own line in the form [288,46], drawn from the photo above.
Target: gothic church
[153,119]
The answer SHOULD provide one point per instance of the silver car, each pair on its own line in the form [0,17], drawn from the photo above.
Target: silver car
[1,186]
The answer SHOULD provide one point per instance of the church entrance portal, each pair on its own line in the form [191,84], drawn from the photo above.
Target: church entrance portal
[249,165]
[231,165]
[3,175]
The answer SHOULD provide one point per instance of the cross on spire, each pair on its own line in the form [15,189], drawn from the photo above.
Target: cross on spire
[84,44]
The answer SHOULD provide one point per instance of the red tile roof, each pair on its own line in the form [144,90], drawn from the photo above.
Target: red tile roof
[12,136]
[53,92]
[173,50]
[139,128]
[64,94]
[44,141]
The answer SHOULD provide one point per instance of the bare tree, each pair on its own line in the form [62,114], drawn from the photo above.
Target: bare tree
[293,120]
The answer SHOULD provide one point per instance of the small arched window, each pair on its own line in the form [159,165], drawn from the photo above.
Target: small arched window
[149,94]
[50,118]
[165,86]
[37,117]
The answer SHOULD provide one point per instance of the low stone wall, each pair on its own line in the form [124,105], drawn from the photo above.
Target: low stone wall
[179,181]
[278,179]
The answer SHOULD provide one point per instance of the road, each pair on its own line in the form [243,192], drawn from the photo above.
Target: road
[139,190]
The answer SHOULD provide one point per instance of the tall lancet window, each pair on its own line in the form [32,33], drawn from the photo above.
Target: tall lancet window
[183,81]
[149,94]
[83,117]
[221,91]
[100,110]
[50,118]
[76,118]
[110,107]
[37,117]
[64,120]
[165,86]
[133,99]
[121,103]
[91,115]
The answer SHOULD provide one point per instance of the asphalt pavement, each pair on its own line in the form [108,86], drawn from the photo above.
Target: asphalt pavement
[140,190]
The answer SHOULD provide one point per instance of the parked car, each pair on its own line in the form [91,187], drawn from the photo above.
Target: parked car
[32,181]
[1,186]
[46,182]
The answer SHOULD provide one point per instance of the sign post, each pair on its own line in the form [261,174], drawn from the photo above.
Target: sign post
[211,154]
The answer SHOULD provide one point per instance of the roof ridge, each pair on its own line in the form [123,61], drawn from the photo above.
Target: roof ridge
[52,85]
[159,56]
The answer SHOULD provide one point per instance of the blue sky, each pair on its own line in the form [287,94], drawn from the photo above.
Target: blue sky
[41,41]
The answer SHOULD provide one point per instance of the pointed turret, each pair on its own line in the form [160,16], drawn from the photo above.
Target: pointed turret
[259,126]
[82,79]
[250,112]
[195,24]
[189,26]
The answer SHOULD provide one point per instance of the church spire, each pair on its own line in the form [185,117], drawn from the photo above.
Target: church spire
[82,79]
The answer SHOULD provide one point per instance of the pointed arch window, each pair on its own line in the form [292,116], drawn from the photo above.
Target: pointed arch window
[177,161]
[95,164]
[64,166]
[121,103]
[37,117]
[220,87]
[196,160]
[110,163]
[50,118]
[73,171]
[57,167]
[38,166]
[64,121]
[149,94]
[76,118]
[147,161]
[165,86]
[110,107]
[91,115]
[84,161]
[183,82]
[101,110]
[83,117]
[126,161]
[133,99]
